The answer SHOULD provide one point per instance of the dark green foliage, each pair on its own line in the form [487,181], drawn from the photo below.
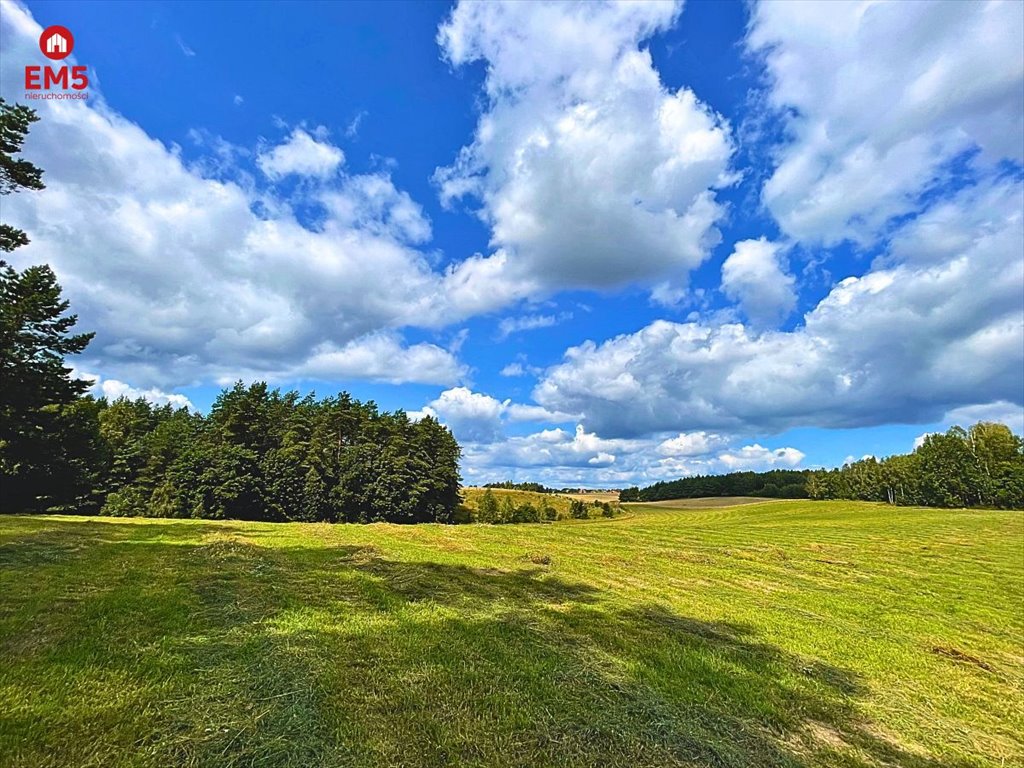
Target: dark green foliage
[982,466]
[15,173]
[508,485]
[979,467]
[578,510]
[41,417]
[66,473]
[776,484]
[260,455]
[264,455]
[527,513]
[630,494]
[219,480]
[50,454]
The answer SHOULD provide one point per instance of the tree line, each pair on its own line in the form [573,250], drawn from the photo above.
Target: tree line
[265,455]
[978,467]
[775,484]
[260,454]
[508,485]
[982,466]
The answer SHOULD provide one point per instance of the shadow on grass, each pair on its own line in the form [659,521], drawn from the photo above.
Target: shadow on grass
[227,652]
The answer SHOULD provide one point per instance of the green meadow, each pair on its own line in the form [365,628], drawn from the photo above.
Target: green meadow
[768,634]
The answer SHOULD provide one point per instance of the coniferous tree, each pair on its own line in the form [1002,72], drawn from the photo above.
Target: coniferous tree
[15,173]
[45,444]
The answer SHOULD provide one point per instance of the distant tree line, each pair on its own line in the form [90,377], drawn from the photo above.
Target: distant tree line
[776,484]
[260,454]
[978,467]
[508,485]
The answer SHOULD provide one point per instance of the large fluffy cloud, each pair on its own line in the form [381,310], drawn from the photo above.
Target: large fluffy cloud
[591,172]
[880,98]
[757,457]
[188,277]
[755,276]
[691,444]
[559,457]
[937,324]
[552,448]
[478,418]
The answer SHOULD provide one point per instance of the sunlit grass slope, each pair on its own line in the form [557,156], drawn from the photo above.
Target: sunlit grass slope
[778,634]
[472,496]
[703,503]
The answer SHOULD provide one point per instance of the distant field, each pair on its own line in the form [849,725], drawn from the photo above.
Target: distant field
[594,495]
[781,634]
[703,503]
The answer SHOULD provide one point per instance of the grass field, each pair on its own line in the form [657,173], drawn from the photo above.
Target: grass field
[780,634]
[472,496]
[592,496]
[704,503]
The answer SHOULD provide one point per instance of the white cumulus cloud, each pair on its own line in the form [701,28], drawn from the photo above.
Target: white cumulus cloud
[591,172]
[754,275]
[189,277]
[758,457]
[879,99]
[937,324]
[479,418]
[301,154]
[112,390]
[692,444]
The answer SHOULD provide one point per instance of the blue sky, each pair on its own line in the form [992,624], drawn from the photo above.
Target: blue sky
[605,244]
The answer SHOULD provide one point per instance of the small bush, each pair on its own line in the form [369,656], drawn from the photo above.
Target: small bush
[527,513]
[128,502]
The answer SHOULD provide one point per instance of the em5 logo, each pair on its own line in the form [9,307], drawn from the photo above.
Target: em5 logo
[56,43]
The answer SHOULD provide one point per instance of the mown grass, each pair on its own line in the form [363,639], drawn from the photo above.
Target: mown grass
[704,502]
[780,634]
